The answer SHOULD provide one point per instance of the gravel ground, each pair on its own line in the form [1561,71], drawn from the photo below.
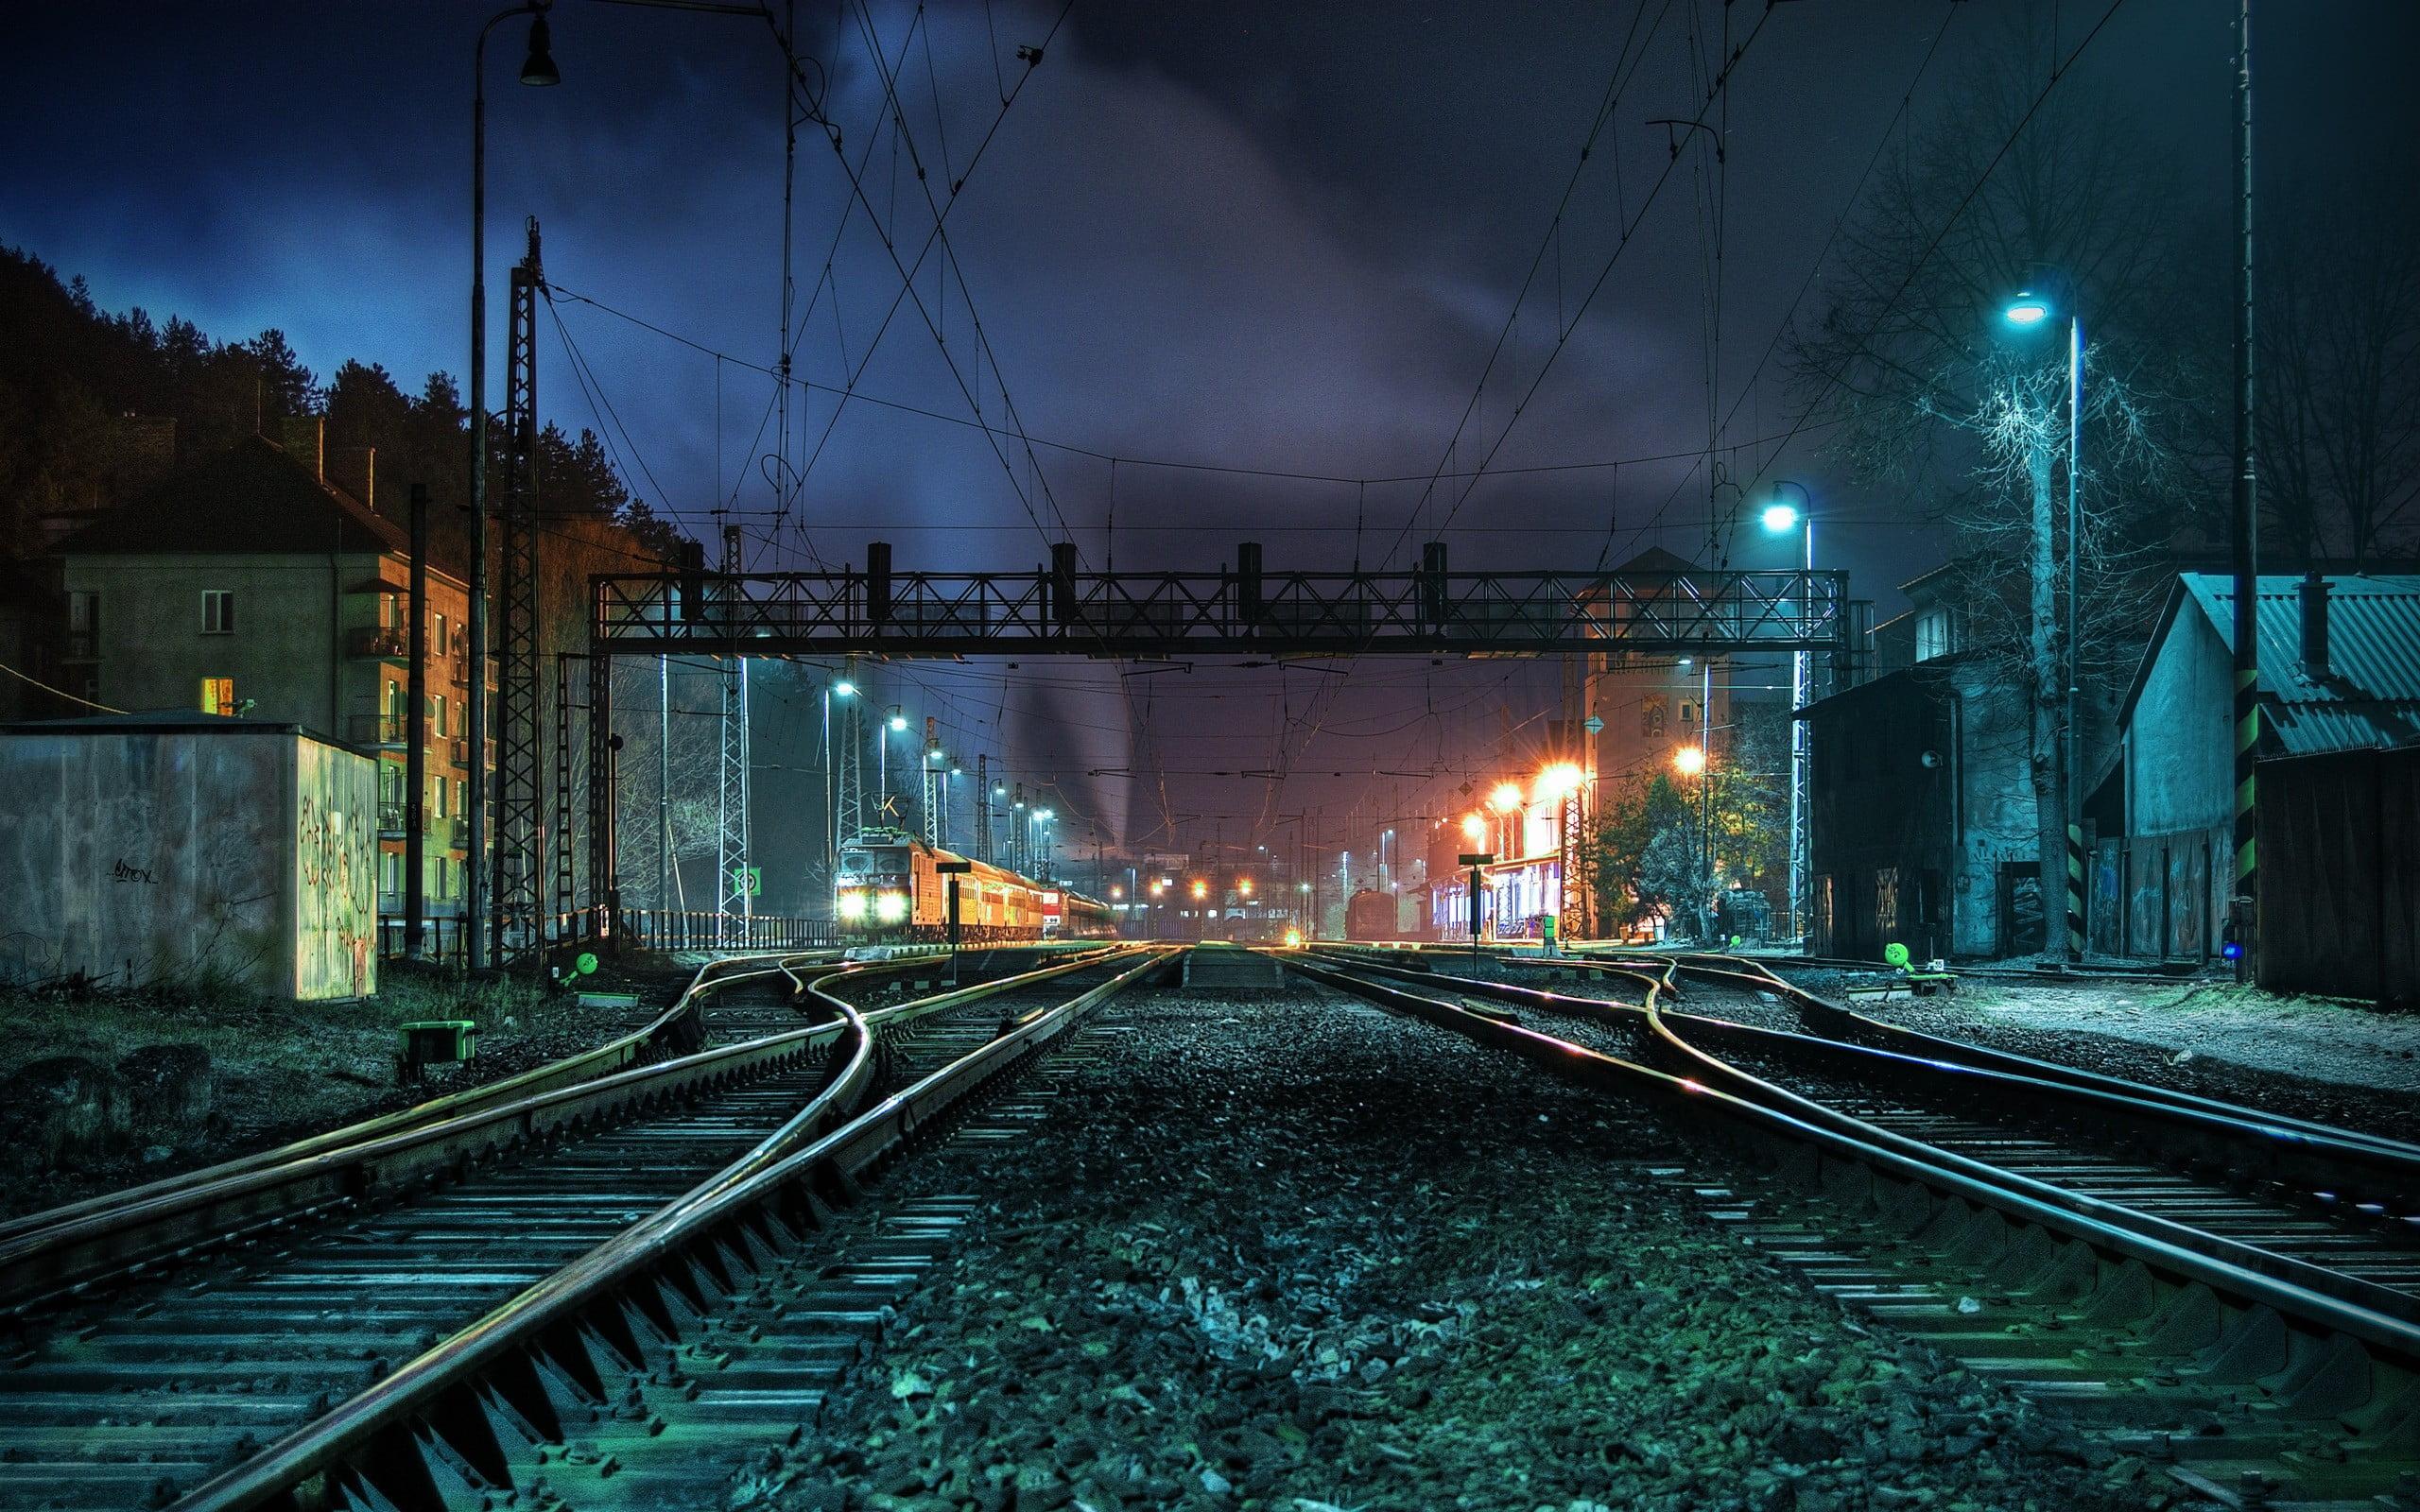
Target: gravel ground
[1301,1256]
[151,1085]
[2306,1058]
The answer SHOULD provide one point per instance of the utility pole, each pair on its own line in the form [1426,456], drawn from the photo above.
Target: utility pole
[2246,533]
[517,864]
[983,806]
[415,733]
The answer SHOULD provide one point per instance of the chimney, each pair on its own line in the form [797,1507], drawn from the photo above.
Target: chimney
[305,436]
[2314,596]
[356,473]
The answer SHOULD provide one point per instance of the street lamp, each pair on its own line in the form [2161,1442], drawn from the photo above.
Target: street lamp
[1781,517]
[537,70]
[842,689]
[1689,760]
[2028,310]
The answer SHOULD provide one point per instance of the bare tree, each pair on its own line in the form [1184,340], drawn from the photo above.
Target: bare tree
[2009,188]
[2340,372]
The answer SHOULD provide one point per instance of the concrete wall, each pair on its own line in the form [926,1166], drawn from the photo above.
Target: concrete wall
[154,654]
[2180,774]
[336,867]
[134,857]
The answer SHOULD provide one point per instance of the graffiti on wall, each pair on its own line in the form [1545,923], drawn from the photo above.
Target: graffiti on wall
[123,871]
[335,856]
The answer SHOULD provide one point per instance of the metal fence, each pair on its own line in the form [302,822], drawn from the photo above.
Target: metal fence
[659,930]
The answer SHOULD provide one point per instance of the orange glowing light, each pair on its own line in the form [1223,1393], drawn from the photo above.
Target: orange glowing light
[1689,760]
[1507,797]
[1558,782]
[1201,889]
[1473,826]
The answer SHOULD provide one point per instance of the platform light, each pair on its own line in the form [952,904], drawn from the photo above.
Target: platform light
[1244,887]
[1201,889]
[1293,940]
[1115,893]
[1780,518]
[1507,797]
[1689,760]
[1559,782]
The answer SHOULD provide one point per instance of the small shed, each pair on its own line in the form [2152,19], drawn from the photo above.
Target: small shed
[175,845]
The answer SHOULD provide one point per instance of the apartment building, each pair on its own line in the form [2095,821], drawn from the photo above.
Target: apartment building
[251,586]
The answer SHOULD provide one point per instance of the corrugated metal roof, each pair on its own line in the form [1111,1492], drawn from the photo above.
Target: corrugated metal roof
[2371,696]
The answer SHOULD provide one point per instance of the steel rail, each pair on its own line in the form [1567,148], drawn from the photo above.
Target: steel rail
[1842,1022]
[1780,1132]
[169,1221]
[673,1027]
[764,1203]
[2214,1137]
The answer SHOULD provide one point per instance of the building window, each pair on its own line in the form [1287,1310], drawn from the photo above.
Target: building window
[438,722]
[390,612]
[218,696]
[84,625]
[218,612]
[390,872]
[1936,634]
[438,644]
[1688,711]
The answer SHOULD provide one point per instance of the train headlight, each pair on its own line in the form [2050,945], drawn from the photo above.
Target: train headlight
[891,907]
[853,904]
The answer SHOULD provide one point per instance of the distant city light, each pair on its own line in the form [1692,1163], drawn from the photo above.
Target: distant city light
[1244,887]
[1200,888]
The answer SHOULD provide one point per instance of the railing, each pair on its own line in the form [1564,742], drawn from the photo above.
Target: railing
[457,672]
[378,730]
[440,938]
[666,930]
[391,817]
[380,641]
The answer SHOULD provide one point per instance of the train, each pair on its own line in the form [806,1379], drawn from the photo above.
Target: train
[1370,915]
[892,887]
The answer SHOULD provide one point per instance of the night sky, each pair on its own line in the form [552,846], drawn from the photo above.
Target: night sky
[1276,236]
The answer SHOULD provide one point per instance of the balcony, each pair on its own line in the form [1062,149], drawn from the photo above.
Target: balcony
[458,750]
[390,820]
[378,730]
[457,672]
[384,643]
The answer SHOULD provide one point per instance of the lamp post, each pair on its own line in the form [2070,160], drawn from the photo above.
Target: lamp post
[537,70]
[891,726]
[2025,312]
[1692,761]
[1781,518]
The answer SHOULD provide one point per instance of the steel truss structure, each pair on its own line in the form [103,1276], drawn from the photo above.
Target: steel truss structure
[736,895]
[519,833]
[1241,612]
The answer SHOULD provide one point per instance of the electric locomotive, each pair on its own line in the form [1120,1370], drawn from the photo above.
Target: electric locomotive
[891,887]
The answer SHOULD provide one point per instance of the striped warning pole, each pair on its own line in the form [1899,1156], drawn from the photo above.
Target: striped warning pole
[2246,528]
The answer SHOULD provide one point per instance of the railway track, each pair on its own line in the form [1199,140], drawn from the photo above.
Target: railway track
[131,1391]
[2235,1296]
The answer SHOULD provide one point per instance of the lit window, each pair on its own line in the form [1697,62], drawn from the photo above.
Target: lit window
[218,696]
[218,612]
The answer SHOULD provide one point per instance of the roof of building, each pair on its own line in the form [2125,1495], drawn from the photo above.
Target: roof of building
[162,722]
[2371,696]
[254,498]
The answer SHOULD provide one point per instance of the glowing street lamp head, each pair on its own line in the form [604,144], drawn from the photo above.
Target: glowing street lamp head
[1781,518]
[1559,782]
[1507,797]
[898,720]
[2027,310]
[1115,893]
[1473,827]
[1047,814]
[1689,760]
[844,689]
[934,754]
[1158,887]
[1244,887]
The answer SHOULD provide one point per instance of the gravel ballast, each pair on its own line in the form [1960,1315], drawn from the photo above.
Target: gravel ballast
[1286,1251]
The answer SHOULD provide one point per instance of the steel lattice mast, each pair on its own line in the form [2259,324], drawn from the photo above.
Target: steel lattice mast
[730,796]
[519,833]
